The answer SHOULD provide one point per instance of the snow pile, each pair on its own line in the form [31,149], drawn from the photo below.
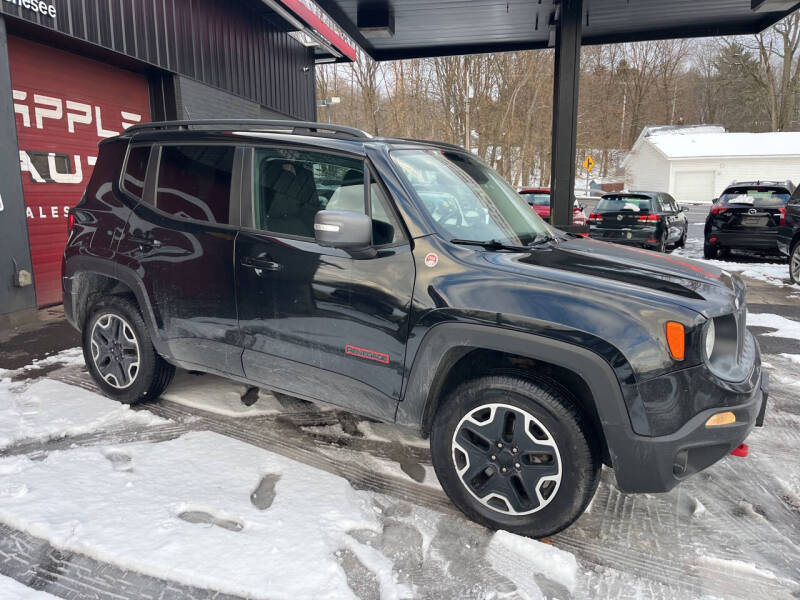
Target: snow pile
[68,357]
[775,274]
[11,589]
[182,510]
[47,409]
[507,550]
[785,328]
[220,396]
[768,272]
[792,357]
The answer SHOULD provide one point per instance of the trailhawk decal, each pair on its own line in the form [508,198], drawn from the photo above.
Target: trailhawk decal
[367,354]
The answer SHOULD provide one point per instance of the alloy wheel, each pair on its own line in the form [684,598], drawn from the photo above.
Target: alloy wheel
[794,264]
[115,350]
[506,459]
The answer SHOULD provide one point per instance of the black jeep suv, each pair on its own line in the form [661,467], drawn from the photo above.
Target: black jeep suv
[408,282]
[746,217]
[648,219]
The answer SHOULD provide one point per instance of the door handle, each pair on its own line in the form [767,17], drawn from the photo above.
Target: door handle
[148,242]
[261,263]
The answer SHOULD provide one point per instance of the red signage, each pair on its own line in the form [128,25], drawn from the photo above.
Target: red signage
[64,104]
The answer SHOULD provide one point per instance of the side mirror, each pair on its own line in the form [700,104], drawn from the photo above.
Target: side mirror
[344,229]
[683,208]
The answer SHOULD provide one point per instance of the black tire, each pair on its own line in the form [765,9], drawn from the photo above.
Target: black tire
[662,244]
[682,242]
[577,453]
[152,374]
[794,264]
[710,251]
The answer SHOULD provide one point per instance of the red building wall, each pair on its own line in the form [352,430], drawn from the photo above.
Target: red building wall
[64,105]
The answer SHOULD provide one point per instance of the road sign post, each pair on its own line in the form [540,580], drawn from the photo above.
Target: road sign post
[588,164]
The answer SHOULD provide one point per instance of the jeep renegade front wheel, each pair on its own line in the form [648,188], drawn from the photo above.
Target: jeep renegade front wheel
[515,454]
[794,264]
[119,354]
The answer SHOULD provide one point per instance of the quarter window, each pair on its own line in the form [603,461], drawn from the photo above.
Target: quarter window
[135,170]
[194,182]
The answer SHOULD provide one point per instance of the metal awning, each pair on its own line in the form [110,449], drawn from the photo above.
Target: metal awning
[395,29]
[307,28]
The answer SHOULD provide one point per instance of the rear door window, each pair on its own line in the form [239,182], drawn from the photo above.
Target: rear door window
[194,182]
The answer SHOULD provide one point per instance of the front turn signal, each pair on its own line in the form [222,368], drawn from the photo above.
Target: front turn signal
[722,418]
[676,340]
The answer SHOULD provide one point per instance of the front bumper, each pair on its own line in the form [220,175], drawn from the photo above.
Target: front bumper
[657,464]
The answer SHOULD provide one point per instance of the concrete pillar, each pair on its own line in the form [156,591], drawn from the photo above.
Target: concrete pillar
[14,246]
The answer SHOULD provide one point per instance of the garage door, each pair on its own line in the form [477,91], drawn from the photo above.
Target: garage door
[64,104]
[694,186]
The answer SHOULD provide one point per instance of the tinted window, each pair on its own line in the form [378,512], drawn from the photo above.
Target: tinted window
[620,202]
[194,182]
[135,170]
[292,186]
[755,196]
[673,206]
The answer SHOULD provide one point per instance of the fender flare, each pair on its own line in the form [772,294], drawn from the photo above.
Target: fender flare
[446,343]
[112,270]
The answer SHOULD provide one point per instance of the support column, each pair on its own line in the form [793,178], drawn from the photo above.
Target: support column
[16,297]
[565,111]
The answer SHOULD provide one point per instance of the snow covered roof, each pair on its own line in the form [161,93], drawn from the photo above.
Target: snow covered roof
[691,143]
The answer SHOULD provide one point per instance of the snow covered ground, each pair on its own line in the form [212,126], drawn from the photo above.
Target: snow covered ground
[302,502]
[13,590]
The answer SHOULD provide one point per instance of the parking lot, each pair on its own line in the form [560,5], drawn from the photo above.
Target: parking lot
[220,491]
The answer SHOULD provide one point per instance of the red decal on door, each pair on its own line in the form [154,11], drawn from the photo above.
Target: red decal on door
[367,354]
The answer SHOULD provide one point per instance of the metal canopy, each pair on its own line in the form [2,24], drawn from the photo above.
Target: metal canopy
[442,27]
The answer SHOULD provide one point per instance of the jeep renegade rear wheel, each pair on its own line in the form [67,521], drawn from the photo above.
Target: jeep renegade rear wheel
[119,354]
[515,454]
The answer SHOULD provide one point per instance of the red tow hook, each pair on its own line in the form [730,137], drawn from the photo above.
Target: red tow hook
[740,450]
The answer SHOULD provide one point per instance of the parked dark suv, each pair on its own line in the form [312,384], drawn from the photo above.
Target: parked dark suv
[651,220]
[746,217]
[408,282]
[789,235]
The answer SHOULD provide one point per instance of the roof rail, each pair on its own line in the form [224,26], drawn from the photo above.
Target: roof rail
[433,143]
[285,126]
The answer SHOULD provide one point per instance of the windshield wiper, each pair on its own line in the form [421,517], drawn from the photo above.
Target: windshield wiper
[490,245]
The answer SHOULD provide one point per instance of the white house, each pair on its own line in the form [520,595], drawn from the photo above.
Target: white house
[696,163]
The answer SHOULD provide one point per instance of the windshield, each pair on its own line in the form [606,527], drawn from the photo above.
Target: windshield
[536,199]
[619,203]
[467,199]
[758,196]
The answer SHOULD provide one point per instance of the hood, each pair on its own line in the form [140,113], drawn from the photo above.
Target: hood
[600,264]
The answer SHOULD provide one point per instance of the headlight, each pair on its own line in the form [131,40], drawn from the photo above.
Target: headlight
[711,338]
